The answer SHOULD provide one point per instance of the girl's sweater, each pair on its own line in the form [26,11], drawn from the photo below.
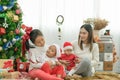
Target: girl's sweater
[36,57]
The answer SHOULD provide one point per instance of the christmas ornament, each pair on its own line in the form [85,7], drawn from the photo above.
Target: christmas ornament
[4,40]
[18,6]
[11,32]
[14,41]
[9,6]
[17,38]
[2,31]
[7,45]
[9,14]
[15,18]
[17,11]
[17,31]
[5,25]
[10,44]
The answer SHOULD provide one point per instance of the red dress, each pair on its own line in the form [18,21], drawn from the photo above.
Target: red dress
[71,58]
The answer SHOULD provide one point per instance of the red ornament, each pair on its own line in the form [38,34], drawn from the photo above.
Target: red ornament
[2,31]
[17,31]
[16,49]
[17,11]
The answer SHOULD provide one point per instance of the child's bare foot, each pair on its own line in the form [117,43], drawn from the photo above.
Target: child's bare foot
[36,79]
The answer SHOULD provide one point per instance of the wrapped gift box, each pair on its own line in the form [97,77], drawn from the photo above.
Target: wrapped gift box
[12,75]
[108,57]
[108,47]
[101,57]
[101,47]
[3,73]
[99,66]
[108,65]
[23,66]
[6,64]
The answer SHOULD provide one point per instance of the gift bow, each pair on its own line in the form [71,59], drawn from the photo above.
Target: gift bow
[25,37]
[8,64]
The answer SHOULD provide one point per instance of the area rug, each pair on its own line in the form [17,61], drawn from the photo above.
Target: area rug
[97,76]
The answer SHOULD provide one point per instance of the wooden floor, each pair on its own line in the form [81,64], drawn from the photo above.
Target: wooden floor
[97,76]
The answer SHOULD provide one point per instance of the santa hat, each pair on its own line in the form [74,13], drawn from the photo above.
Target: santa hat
[58,50]
[67,45]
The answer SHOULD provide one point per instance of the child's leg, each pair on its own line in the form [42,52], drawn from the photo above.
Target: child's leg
[37,73]
[46,68]
[84,68]
[59,71]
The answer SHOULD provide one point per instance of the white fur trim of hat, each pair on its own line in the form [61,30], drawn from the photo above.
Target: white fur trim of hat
[67,45]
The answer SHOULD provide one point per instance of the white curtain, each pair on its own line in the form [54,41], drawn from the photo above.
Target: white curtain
[42,14]
[74,12]
[31,12]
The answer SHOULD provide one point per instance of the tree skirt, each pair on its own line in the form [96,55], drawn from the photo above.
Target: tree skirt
[97,76]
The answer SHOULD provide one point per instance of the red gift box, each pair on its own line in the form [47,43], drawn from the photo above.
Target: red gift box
[23,66]
[6,64]
[2,31]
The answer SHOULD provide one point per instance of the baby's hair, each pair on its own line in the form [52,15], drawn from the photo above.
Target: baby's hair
[33,35]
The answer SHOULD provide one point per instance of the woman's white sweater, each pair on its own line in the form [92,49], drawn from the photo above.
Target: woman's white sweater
[93,55]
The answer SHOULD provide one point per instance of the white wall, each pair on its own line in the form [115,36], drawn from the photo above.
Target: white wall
[109,9]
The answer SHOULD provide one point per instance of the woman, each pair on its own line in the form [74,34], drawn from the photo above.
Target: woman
[87,50]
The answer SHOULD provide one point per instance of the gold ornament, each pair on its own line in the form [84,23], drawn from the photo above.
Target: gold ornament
[10,14]
[15,18]
[11,32]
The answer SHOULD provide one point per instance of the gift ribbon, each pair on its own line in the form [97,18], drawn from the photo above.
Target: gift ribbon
[7,64]
[25,37]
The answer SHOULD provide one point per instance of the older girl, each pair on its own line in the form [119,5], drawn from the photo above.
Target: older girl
[36,47]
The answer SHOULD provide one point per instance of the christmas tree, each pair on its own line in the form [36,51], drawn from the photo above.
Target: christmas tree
[10,34]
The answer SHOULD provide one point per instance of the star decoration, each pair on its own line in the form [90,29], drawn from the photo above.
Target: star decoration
[5,25]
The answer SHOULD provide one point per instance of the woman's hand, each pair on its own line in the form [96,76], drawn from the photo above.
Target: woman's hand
[77,60]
